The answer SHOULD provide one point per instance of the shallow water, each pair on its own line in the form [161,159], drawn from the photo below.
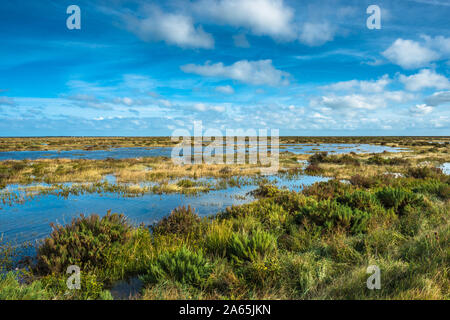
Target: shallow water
[338,148]
[130,153]
[115,153]
[30,221]
[445,168]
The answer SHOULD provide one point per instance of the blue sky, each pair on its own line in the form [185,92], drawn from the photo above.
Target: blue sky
[149,67]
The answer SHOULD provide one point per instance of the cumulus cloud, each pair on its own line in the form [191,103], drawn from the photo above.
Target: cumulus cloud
[439,44]
[421,109]
[354,101]
[225,89]
[361,85]
[172,28]
[438,98]
[425,78]
[260,72]
[360,101]
[409,54]
[262,17]
[316,34]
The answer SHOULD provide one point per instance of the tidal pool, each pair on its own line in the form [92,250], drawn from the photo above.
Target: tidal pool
[30,221]
[130,153]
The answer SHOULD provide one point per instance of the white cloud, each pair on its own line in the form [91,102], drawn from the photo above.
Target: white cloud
[262,17]
[361,85]
[438,98]
[439,44]
[409,54]
[425,78]
[316,34]
[421,109]
[173,28]
[225,89]
[204,107]
[260,72]
[354,101]
[360,101]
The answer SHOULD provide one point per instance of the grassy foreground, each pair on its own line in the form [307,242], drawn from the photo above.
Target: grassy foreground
[286,245]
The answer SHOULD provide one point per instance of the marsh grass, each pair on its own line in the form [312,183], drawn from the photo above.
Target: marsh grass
[285,245]
[314,244]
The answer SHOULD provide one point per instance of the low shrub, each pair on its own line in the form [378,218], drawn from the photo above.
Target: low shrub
[181,265]
[423,172]
[265,191]
[248,247]
[378,160]
[434,187]
[91,287]
[330,214]
[11,289]
[364,181]
[323,157]
[313,169]
[218,236]
[85,242]
[327,189]
[181,221]
[185,183]
[318,157]
[362,200]
[398,198]
[307,271]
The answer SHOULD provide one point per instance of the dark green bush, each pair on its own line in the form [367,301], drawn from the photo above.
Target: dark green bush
[327,190]
[362,200]
[85,242]
[434,187]
[249,247]
[323,157]
[182,265]
[181,221]
[331,214]
[378,160]
[291,201]
[345,159]
[398,199]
